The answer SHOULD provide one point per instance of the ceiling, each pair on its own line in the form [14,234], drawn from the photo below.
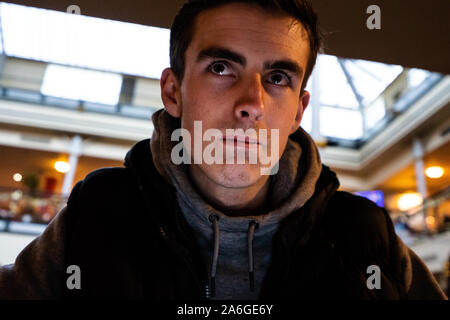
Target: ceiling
[413,33]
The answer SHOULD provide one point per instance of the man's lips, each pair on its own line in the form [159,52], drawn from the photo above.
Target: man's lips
[248,142]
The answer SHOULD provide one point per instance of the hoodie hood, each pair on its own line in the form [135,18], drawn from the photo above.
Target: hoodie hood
[247,238]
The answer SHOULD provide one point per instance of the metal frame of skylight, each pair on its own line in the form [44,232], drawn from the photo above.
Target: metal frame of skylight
[358,97]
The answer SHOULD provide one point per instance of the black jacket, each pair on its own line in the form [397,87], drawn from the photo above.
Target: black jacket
[124,229]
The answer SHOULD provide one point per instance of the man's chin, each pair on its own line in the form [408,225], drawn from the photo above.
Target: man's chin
[233,175]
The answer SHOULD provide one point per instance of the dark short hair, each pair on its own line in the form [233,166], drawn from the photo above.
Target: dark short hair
[181,32]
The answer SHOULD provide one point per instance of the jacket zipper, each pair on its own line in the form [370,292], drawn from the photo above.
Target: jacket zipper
[166,238]
[207,291]
[279,273]
[203,292]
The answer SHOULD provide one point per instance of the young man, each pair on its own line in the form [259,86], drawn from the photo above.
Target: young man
[162,228]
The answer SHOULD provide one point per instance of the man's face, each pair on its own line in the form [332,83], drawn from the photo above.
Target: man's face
[243,69]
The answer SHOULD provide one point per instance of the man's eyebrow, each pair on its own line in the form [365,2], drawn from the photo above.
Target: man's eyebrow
[222,53]
[288,65]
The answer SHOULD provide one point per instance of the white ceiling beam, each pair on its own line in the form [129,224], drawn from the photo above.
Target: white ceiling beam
[74,121]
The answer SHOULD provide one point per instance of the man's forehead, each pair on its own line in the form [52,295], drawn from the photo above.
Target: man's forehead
[238,23]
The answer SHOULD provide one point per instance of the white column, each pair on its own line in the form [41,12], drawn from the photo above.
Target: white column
[421,182]
[315,104]
[75,151]
[419,168]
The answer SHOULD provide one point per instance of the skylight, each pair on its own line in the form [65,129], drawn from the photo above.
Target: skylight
[81,84]
[82,41]
[349,95]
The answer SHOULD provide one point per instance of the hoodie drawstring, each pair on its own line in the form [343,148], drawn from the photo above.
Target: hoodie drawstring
[251,231]
[215,220]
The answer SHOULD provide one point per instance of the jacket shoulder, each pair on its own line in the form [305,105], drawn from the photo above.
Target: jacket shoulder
[105,191]
[102,182]
[110,178]
[358,226]
[356,211]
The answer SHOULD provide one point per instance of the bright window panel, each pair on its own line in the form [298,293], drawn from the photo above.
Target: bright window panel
[416,77]
[306,122]
[334,88]
[381,71]
[340,123]
[371,78]
[375,112]
[82,84]
[1,33]
[82,41]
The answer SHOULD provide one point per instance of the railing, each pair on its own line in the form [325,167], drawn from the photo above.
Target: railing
[429,219]
[31,96]
[19,205]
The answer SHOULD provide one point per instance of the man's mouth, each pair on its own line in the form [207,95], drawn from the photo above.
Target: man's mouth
[241,141]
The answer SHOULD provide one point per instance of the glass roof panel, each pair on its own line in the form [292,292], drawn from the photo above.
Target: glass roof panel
[416,77]
[341,123]
[78,40]
[375,112]
[82,84]
[371,78]
[306,122]
[334,88]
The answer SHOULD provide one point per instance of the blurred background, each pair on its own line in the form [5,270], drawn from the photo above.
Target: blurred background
[78,90]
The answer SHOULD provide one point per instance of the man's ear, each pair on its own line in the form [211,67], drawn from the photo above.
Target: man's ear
[171,93]
[302,104]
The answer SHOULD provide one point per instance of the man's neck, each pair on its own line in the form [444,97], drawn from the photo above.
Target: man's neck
[234,202]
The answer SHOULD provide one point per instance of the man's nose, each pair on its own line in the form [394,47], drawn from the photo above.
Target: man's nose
[250,105]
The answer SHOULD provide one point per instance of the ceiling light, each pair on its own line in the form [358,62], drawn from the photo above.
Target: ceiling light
[409,200]
[434,172]
[430,220]
[62,166]
[17,177]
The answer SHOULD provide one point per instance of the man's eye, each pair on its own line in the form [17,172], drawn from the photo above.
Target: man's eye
[280,79]
[219,68]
